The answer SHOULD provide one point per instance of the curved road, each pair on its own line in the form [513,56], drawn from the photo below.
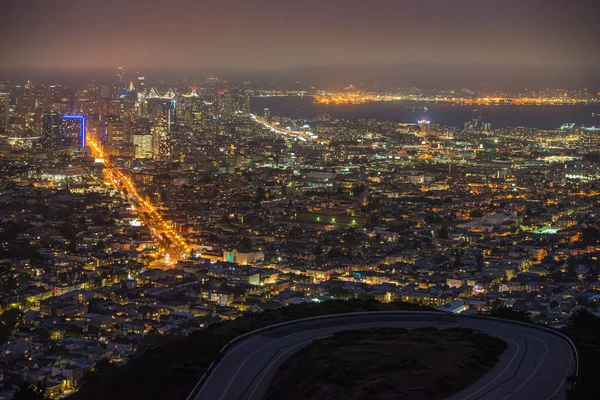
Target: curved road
[535,364]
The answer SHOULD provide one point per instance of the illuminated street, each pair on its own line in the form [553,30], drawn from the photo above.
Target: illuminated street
[172,244]
[300,135]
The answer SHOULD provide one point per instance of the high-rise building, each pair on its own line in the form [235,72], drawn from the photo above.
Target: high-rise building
[267,114]
[160,137]
[141,86]
[4,112]
[73,130]
[51,135]
[224,102]
[115,132]
[144,145]
[121,85]
[244,100]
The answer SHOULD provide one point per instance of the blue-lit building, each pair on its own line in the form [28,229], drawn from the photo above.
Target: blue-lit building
[73,130]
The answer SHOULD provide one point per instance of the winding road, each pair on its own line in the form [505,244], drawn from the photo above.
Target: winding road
[535,364]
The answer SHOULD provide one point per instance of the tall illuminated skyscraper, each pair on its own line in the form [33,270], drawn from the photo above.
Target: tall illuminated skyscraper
[244,98]
[141,85]
[121,85]
[73,130]
[143,145]
[160,137]
[224,102]
[51,135]
[115,132]
[4,112]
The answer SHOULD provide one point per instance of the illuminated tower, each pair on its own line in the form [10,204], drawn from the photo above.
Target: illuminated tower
[115,132]
[160,137]
[224,103]
[144,145]
[51,135]
[120,78]
[73,130]
[4,112]
[243,99]
[246,98]
[141,84]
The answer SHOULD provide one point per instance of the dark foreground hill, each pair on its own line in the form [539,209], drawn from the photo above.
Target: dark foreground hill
[386,364]
[168,367]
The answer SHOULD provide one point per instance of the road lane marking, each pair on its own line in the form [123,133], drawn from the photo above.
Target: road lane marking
[252,355]
[537,367]
[503,371]
[562,382]
[305,343]
[285,337]
[223,359]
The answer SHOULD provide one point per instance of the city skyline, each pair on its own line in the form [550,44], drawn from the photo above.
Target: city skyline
[299,200]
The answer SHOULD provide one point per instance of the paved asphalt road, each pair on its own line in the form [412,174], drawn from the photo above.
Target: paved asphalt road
[534,366]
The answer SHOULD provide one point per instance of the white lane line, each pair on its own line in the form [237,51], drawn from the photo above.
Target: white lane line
[501,373]
[535,370]
[264,374]
[220,363]
[232,379]
[564,379]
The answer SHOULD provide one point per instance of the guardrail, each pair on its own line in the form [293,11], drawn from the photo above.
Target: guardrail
[237,339]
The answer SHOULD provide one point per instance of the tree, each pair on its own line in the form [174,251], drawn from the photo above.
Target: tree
[9,321]
[590,236]
[358,190]
[443,232]
[584,321]
[260,194]
[509,313]
[29,392]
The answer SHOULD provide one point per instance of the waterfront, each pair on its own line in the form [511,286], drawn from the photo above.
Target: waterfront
[546,117]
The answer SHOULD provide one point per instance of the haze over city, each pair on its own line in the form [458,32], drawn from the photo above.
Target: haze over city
[448,39]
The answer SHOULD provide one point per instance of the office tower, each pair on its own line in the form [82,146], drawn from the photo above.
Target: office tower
[141,86]
[475,118]
[144,145]
[73,130]
[267,114]
[160,137]
[51,135]
[224,103]
[121,85]
[244,98]
[4,112]
[115,132]
[141,105]
[105,91]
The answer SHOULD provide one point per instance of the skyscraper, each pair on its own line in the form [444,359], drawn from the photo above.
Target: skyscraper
[115,132]
[244,100]
[144,145]
[73,130]
[51,135]
[141,86]
[160,137]
[121,85]
[224,102]
[4,112]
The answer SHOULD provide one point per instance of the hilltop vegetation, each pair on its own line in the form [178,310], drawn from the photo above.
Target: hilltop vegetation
[386,363]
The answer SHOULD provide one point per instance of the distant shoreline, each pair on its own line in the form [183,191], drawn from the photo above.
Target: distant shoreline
[444,113]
